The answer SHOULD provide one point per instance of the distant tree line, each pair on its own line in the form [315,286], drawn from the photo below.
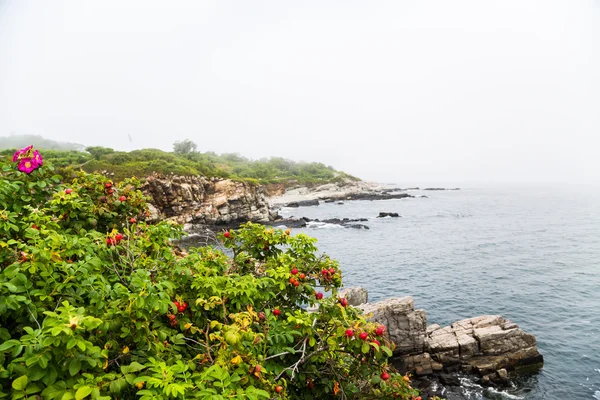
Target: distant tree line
[186,160]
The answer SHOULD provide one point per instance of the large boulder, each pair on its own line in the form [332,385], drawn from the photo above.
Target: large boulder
[405,325]
[355,295]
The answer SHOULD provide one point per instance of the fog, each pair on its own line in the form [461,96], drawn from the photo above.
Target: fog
[393,91]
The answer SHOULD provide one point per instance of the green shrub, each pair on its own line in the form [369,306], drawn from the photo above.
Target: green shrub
[96,303]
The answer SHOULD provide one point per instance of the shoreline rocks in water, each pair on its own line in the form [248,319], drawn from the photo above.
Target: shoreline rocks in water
[487,347]
[303,203]
[303,222]
[388,214]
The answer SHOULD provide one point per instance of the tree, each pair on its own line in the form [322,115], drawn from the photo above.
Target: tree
[185,147]
[98,151]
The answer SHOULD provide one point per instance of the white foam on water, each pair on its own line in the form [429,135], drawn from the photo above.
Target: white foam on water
[504,394]
[323,225]
[596,394]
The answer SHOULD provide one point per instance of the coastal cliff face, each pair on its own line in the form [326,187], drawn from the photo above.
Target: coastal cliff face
[200,200]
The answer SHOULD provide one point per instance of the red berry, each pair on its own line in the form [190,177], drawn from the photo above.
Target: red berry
[108,185]
[343,302]
[349,332]
[296,283]
[278,389]
[68,191]
[262,316]
[302,276]
[258,368]
[176,303]
[376,342]
[34,226]
[110,191]
[363,335]
[319,295]
[108,241]
[132,220]
[181,308]
[294,271]
[331,271]
[227,234]
[185,304]
[122,198]
[276,312]
[380,330]
[325,272]
[119,237]
[172,317]
[385,376]
[292,280]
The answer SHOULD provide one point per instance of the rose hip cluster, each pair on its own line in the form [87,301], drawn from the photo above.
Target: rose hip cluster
[114,240]
[181,307]
[110,190]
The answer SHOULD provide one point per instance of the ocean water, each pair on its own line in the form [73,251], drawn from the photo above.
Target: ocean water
[529,254]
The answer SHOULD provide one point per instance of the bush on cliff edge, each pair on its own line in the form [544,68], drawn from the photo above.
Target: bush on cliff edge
[95,303]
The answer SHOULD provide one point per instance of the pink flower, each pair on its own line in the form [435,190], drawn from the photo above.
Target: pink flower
[26,165]
[22,153]
[28,159]
[37,159]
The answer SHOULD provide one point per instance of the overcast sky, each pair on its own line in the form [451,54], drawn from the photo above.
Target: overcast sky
[393,91]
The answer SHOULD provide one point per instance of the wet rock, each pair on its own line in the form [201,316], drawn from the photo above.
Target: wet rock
[388,214]
[449,379]
[303,203]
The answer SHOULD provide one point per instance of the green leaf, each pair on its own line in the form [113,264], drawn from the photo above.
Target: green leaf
[365,348]
[386,350]
[74,367]
[9,344]
[133,367]
[20,383]
[83,392]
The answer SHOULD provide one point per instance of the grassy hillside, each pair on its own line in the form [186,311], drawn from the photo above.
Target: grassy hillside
[143,162]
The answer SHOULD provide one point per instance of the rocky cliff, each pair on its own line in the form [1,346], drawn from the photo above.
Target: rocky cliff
[200,200]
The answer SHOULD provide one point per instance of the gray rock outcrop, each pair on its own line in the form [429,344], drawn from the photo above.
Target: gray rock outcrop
[199,200]
[355,295]
[489,346]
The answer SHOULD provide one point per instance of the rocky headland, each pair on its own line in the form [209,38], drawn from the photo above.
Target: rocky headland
[335,192]
[196,200]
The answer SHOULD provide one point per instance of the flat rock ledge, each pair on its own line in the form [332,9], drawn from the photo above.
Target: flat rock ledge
[487,346]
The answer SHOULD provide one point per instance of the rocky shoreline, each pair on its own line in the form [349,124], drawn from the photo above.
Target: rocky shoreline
[217,204]
[489,349]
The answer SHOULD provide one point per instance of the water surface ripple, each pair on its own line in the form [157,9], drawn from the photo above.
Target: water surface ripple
[531,255]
